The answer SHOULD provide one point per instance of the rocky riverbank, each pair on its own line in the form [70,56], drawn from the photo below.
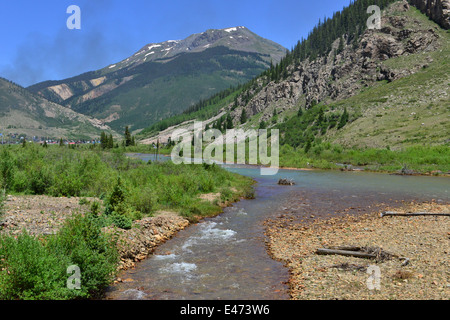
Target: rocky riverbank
[137,243]
[423,240]
[43,215]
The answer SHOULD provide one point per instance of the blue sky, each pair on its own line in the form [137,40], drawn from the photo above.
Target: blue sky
[35,44]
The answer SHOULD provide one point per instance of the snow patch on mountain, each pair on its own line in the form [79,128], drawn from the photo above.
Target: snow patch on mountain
[230,29]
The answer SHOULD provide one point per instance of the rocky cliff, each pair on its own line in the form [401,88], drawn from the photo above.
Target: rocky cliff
[342,75]
[437,10]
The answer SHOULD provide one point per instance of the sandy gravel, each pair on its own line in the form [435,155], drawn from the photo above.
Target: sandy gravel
[39,214]
[424,240]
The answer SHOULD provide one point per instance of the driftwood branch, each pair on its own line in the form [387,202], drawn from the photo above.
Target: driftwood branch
[357,254]
[413,214]
[345,248]
[363,252]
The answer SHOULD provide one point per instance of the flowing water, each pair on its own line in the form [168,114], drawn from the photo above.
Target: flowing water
[225,257]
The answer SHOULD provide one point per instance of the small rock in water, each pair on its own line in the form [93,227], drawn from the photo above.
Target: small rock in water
[286,182]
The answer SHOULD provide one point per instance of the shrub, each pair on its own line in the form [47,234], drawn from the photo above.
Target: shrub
[226,194]
[121,221]
[21,182]
[116,198]
[143,200]
[31,271]
[31,268]
[40,181]
[82,241]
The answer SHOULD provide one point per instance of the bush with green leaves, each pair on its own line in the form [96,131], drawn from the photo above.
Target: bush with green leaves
[121,221]
[34,268]
[94,252]
[30,271]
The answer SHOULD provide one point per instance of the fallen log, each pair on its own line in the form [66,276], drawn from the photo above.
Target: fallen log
[357,254]
[413,214]
[345,248]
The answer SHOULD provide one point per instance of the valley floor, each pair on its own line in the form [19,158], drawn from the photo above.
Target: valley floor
[425,241]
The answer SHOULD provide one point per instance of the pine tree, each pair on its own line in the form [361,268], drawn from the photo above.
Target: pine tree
[243,116]
[341,45]
[110,142]
[127,137]
[103,140]
[344,119]
[229,122]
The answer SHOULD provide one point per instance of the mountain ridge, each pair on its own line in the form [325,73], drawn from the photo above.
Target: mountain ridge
[25,113]
[233,38]
[163,79]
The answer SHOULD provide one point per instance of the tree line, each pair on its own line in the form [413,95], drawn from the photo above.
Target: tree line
[346,25]
[107,141]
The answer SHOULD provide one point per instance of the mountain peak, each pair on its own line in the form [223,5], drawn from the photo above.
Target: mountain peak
[233,29]
[165,78]
[235,38]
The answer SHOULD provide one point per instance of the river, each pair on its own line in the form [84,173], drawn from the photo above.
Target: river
[225,257]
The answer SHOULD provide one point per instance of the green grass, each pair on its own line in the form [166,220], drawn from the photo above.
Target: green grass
[62,171]
[327,156]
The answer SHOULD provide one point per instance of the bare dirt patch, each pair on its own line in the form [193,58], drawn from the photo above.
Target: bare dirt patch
[40,214]
[210,196]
